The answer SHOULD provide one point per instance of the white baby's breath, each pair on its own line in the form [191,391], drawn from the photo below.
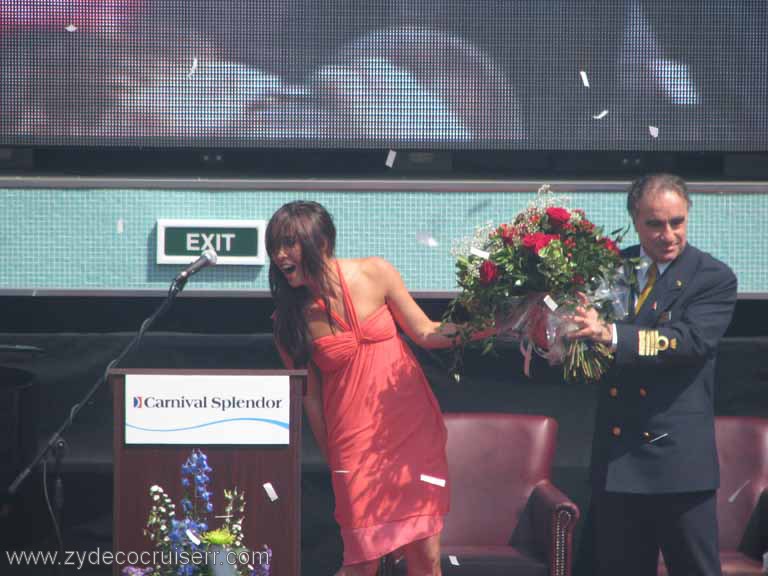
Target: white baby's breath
[479,240]
[545,198]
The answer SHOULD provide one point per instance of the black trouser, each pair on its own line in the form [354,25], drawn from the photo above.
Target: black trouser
[628,530]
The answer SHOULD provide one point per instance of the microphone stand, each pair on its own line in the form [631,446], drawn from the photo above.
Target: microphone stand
[58,481]
[56,443]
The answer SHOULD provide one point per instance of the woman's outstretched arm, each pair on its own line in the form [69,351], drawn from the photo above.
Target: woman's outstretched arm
[424,331]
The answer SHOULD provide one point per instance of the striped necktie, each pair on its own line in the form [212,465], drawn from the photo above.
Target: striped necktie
[650,280]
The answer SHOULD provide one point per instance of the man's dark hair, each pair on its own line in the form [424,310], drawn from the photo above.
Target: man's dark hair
[653,183]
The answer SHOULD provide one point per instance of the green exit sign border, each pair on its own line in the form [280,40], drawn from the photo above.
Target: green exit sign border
[205,242]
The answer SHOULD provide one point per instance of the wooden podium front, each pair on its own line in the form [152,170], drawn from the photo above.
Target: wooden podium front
[247,467]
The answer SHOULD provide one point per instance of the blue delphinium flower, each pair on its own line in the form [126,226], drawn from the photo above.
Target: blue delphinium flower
[196,505]
[195,475]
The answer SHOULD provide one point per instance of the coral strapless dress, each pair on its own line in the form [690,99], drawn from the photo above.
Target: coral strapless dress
[386,436]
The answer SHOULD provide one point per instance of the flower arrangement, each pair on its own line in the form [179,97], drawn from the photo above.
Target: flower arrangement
[529,274]
[184,544]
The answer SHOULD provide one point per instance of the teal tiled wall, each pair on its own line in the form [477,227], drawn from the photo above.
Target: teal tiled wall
[83,239]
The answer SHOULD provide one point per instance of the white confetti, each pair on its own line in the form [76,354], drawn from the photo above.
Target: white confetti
[193,537]
[391,159]
[600,116]
[426,239]
[732,497]
[453,560]
[224,516]
[480,253]
[654,131]
[432,480]
[584,78]
[193,69]
[71,28]
[270,490]
[341,471]
[551,304]
[120,226]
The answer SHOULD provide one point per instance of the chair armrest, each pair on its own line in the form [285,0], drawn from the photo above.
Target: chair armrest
[553,519]
[754,542]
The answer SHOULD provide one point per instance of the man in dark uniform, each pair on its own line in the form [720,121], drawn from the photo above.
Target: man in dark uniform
[654,460]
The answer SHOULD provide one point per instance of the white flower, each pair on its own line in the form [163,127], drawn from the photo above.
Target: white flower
[546,199]
[478,240]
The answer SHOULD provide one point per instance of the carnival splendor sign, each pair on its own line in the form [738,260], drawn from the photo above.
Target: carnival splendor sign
[206,409]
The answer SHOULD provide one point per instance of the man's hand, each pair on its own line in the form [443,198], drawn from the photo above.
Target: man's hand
[589,326]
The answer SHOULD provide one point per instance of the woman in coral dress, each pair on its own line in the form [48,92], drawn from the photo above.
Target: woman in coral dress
[368,402]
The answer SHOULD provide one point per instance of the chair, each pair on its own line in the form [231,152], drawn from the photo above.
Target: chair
[506,516]
[742,501]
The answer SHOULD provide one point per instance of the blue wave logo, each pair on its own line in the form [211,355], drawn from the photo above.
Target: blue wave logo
[138,402]
[277,423]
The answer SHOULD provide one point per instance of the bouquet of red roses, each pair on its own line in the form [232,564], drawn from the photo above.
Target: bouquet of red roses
[528,275]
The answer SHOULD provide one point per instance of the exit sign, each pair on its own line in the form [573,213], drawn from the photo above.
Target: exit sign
[235,242]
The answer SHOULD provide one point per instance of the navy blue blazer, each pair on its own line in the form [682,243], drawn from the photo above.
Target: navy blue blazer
[654,429]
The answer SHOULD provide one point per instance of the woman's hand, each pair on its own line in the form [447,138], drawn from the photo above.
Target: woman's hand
[486,332]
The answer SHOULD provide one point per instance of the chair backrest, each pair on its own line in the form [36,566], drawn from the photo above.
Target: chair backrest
[742,446]
[495,460]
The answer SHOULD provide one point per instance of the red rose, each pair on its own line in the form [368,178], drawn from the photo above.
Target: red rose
[538,240]
[611,245]
[558,217]
[578,279]
[488,272]
[507,234]
[586,225]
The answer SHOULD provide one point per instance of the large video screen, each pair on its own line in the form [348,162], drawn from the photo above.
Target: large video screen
[423,74]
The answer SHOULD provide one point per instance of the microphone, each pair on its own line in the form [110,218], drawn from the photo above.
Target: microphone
[207,258]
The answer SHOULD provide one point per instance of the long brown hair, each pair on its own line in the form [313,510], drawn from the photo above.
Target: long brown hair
[311,226]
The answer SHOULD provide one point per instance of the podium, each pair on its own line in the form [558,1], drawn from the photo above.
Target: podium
[147,455]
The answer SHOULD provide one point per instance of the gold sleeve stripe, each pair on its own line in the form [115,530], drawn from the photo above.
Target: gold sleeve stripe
[650,343]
